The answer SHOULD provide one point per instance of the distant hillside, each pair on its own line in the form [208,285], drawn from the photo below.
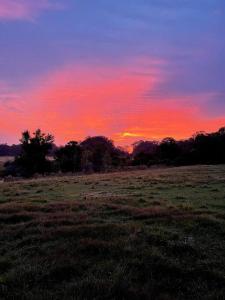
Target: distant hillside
[6,150]
[14,150]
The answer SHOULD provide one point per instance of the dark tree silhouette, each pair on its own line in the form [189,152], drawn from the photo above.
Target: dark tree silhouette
[68,158]
[202,148]
[210,148]
[144,152]
[169,149]
[34,151]
[100,154]
[120,157]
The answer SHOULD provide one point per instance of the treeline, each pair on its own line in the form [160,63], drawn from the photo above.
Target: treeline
[94,154]
[99,153]
[202,148]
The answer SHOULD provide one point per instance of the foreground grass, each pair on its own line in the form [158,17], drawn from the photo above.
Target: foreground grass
[155,234]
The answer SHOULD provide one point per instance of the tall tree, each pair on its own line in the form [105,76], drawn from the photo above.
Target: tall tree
[68,157]
[34,151]
[100,152]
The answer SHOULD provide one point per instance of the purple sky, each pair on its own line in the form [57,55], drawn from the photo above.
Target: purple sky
[130,69]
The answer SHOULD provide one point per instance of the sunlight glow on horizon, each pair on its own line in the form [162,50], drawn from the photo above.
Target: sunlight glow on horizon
[76,102]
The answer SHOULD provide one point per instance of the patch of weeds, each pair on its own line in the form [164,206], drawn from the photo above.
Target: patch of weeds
[180,198]
[5,264]
[156,203]
[15,218]
[39,191]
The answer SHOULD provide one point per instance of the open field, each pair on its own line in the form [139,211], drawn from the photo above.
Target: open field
[154,234]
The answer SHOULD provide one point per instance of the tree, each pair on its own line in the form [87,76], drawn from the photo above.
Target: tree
[99,152]
[210,148]
[68,157]
[34,151]
[144,152]
[120,157]
[169,149]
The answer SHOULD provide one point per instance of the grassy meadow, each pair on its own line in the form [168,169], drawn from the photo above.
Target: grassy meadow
[148,234]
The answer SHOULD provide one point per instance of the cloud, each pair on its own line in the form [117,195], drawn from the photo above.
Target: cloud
[25,9]
[76,101]
[171,119]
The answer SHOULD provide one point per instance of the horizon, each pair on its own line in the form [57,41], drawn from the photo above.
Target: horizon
[129,147]
[129,71]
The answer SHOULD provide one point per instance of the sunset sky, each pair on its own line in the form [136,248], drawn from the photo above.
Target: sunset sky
[127,69]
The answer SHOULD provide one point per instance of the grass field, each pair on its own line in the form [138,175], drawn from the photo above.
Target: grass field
[153,234]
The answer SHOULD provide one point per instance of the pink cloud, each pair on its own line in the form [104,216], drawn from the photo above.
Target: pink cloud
[76,101]
[25,9]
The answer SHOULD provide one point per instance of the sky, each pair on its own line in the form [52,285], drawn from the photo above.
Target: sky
[130,69]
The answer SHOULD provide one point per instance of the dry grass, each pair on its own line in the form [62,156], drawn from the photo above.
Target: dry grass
[153,234]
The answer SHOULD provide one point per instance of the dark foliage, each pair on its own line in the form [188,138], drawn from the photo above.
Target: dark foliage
[169,149]
[144,152]
[99,153]
[202,148]
[120,157]
[68,158]
[32,159]
[93,154]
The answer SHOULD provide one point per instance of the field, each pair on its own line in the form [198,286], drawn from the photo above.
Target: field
[151,234]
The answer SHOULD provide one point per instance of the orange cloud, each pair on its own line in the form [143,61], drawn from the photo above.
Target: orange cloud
[78,101]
